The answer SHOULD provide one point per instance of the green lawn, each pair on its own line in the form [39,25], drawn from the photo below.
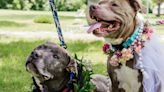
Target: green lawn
[11,24]
[67,20]
[13,52]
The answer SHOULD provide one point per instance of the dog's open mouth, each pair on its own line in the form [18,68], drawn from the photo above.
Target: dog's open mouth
[103,28]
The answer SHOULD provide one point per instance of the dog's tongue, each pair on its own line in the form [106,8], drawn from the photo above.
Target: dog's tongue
[93,27]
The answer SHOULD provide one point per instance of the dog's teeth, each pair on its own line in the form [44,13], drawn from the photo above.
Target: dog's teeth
[46,77]
[110,26]
[97,19]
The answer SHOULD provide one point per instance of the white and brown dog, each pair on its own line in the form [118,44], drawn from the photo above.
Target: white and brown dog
[119,22]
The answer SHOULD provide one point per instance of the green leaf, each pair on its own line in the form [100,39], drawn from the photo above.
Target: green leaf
[86,76]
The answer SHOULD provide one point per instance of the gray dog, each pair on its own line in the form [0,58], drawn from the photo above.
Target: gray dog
[48,63]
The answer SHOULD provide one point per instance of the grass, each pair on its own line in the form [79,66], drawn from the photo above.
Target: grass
[67,20]
[13,75]
[43,19]
[49,20]
[4,23]
[150,16]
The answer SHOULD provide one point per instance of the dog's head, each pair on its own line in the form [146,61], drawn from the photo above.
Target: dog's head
[48,61]
[113,18]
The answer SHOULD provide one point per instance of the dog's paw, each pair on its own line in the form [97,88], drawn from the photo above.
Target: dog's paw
[102,83]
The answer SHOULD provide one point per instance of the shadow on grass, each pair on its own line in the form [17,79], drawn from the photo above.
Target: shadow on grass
[11,24]
[48,19]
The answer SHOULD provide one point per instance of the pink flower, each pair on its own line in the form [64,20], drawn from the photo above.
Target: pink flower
[114,60]
[139,44]
[161,21]
[138,49]
[106,48]
[118,54]
[148,31]
[126,54]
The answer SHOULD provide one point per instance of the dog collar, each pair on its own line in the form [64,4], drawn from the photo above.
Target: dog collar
[66,90]
[137,34]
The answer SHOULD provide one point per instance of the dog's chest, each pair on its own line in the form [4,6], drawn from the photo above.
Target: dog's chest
[128,79]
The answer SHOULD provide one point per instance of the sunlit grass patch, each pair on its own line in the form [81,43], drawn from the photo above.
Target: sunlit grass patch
[150,16]
[49,19]
[43,19]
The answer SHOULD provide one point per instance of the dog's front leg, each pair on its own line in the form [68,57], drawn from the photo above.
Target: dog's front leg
[115,82]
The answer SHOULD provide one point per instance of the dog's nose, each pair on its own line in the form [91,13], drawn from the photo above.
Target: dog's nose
[92,8]
[92,11]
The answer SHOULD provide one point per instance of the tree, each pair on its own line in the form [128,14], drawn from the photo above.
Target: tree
[69,5]
[159,4]
[159,8]
[5,4]
[62,5]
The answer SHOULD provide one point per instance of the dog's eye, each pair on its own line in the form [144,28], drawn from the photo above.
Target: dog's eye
[55,56]
[114,4]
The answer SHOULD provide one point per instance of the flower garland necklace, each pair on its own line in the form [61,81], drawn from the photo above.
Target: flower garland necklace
[132,45]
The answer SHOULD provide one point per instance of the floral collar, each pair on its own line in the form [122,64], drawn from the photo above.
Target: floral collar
[132,45]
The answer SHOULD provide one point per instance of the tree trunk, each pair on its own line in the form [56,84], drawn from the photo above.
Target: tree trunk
[159,9]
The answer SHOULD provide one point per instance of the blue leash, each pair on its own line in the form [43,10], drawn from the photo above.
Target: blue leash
[61,38]
[57,23]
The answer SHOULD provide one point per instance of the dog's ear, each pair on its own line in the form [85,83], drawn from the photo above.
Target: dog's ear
[30,67]
[72,66]
[136,4]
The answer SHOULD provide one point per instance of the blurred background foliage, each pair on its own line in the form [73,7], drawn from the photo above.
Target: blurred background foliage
[62,5]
